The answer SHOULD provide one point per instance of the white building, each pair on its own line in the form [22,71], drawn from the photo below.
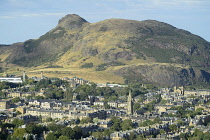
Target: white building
[11,79]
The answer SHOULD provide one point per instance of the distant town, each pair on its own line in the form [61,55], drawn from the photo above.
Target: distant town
[42,108]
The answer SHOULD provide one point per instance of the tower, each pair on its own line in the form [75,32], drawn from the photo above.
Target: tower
[41,74]
[130,104]
[24,76]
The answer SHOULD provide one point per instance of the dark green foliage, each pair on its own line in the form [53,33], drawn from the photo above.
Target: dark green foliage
[39,97]
[43,83]
[49,119]
[116,124]
[68,131]
[6,85]
[78,132]
[3,94]
[63,138]
[51,136]
[104,66]
[33,128]
[86,120]
[137,89]
[62,130]
[126,125]
[136,107]
[183,112]
[54,93]
[110,94]
[150,122]
[101,67]
[4,133]
[87,65]
[98,135]
[102,29]
[9,125]
[173,127]
[132,136]
[68,94]
[54,127]
[15,100]
[17,122]
[54,66]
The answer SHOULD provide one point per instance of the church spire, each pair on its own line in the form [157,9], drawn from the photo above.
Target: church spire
[130,104]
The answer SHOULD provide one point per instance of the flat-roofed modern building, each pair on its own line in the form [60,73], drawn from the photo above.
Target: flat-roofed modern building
[11,79]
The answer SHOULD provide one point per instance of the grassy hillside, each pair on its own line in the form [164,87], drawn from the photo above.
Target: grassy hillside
[114,50]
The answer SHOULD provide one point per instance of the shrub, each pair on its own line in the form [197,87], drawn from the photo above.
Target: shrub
[87,65]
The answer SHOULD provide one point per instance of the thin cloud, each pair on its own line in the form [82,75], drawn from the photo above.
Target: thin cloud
[143,5]
[11,15]
[42,14]
[179,2]
[6,17]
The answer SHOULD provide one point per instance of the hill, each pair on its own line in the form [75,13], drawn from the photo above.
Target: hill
[146,51]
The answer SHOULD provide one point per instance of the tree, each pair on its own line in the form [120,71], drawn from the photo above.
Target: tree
[49,119]
[199,111]
[116,124]
[106,106]
[2,94]
[43,83]
[4,85]
[106,133]
[68,131]
[54,127]
[86,120]
[59,94]
[150,106]
[173,127]
[126,125]
[19,132]
[32,128]
[78,132]
[162,131]
[39,97]
[63,138]
[15,100]
[183,136]
[132,136]
[136,106]
[51,136]
[17,122]
[68,94]
[98,135]
[163,102]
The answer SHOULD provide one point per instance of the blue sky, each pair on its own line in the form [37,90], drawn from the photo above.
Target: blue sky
[21,20]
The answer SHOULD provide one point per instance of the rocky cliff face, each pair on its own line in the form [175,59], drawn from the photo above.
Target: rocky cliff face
[163,75]
[127,48]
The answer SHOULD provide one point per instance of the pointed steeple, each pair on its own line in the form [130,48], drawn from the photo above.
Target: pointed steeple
[130,104]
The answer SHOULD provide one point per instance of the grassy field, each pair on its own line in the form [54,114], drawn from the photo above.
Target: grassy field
[86,73]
